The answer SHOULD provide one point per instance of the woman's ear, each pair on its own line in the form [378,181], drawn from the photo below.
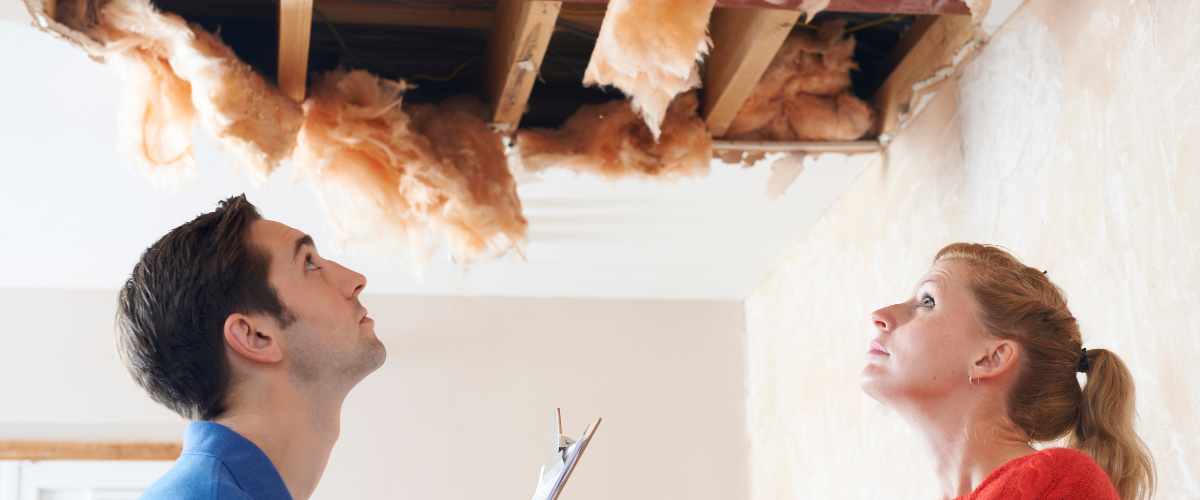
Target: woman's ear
[245,335]
[1000,357]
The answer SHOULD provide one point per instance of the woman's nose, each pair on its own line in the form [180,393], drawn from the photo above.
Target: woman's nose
[884,320]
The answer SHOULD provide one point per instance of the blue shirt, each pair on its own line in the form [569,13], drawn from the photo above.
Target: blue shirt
[219,464]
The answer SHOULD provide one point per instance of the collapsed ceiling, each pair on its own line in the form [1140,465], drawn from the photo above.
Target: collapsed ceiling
[422,172]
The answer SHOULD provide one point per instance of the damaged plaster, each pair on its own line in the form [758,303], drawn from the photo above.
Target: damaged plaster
[1068,140]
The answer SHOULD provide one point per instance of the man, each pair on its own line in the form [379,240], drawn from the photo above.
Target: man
[237,324]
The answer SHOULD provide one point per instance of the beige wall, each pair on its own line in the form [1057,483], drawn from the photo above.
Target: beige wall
[461,409]
[1072,140]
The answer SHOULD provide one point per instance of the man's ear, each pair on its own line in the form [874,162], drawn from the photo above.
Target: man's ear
[246,336]
[1000,357]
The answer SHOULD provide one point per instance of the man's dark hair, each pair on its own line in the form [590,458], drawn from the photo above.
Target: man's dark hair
[171,312]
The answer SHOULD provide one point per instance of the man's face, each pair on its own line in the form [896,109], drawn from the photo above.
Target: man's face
[331,341]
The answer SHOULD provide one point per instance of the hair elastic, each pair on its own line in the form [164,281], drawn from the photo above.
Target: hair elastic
[1083,362]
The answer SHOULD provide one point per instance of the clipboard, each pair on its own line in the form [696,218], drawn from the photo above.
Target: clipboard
[564,455]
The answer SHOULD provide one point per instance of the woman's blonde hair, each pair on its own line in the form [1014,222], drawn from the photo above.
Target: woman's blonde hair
[1018,302]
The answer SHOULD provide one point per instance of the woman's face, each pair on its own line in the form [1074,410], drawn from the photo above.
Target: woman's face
[924,346]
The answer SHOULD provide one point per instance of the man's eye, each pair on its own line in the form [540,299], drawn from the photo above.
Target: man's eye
[927,301]
[308,264]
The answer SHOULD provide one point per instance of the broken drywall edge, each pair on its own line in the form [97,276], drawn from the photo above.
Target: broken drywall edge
[925,90]
[997,14]
[46,19]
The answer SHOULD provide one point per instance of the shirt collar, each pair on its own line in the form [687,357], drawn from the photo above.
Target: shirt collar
[252,469]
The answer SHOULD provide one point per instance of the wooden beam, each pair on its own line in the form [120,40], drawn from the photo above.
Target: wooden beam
[744,42]
[348,11]
[930,58]
[517,43]
[295,27]
[88,450]
[940,7]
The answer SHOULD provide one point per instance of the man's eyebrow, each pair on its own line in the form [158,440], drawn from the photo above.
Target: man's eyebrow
[306,240]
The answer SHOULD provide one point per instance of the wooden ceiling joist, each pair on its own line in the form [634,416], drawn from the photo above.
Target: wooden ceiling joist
[744,42]
[957,7]
[349,11]
[295,28]
[516,45]
[924,51]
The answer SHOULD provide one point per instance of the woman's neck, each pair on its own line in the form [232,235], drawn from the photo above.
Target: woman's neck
[967,442]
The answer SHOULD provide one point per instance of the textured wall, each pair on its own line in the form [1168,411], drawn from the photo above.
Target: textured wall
[1072,140]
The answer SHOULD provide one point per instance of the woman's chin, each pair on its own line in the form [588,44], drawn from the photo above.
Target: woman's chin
[871,381]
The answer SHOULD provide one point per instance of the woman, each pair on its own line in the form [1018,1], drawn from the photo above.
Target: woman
[982,360]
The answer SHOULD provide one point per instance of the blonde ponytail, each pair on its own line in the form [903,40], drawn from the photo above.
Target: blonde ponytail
[1105,430]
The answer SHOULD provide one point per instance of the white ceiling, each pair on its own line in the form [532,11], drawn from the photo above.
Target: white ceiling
[72,215]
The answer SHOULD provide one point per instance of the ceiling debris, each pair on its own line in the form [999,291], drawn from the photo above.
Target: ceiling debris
[610,141]
[805,93]
[177,72]
[651,50]
[400,174]
[401,179]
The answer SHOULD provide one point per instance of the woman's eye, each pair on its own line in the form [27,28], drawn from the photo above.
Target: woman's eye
[927,301]
[308,264]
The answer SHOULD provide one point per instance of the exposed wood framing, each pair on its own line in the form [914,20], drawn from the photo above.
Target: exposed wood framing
[51,9]
[348,11]
[872,6]
[295,27]
[520,34]
[744,42]
[929,59]
[88,450]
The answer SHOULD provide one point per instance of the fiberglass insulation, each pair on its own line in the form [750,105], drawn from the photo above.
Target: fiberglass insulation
[651,49]
[176,73]
[805,94]
[401,179]
[610,141]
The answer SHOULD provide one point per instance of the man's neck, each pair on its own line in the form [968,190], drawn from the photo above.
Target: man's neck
[967,442]
[296,432]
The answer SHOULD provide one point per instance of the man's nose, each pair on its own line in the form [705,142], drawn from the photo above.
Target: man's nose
[352,283]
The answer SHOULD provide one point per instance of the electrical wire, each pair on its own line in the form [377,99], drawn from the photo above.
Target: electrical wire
[893,17]
[575,30]
[420,3]
[452,73]
[852,29]
[336,35]
[569,10]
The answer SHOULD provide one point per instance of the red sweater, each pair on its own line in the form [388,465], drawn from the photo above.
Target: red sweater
[1050,474]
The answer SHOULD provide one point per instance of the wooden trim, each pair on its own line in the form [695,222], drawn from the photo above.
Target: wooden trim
[88,450]
[934,51]
[520,34]
[295,28]
[744,43]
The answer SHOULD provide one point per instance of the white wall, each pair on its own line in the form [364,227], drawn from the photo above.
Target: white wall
[461,409]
